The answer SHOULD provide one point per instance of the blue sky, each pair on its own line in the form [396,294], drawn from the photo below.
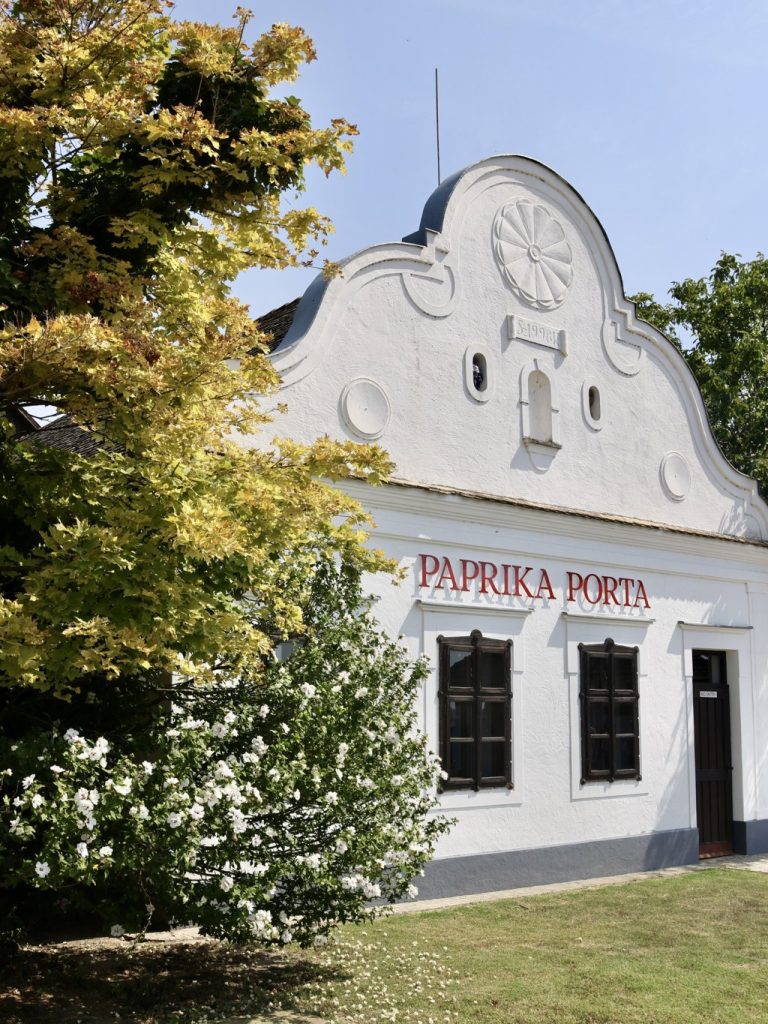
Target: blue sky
[654,110]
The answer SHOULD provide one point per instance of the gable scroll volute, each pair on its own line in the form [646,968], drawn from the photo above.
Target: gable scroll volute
[426,346]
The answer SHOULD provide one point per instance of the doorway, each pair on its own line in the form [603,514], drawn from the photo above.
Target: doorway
[712,737]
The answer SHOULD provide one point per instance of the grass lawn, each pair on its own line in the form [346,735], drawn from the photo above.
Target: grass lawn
[691,948]
[683,950]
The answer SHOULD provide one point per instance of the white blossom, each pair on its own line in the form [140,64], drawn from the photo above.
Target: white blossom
[226,883]
[72,736]
[123,787]
[148,767]
[332,798]
[42,869]
[56,769]
[82,850]
[37,800]
[174,819]
[26,783]
[116,931]
[196,812]
[263,710]
[308,689]
[105,851]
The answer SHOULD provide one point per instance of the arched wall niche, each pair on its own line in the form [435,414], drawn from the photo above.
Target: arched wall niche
[539,407]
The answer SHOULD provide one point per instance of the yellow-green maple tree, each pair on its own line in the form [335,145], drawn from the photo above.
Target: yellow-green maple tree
[143,165]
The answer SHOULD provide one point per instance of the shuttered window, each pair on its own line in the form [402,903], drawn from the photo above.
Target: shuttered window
[475,711]
[610,723]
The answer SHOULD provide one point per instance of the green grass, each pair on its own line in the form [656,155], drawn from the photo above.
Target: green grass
[682,950]
[689,949]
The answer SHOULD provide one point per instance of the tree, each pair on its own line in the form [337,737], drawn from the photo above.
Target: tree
[271,808]
[724,318]
[144,163]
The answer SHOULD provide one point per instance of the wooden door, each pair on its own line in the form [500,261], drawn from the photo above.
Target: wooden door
[712,732]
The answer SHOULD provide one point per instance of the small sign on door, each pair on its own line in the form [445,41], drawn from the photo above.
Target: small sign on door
[708,693]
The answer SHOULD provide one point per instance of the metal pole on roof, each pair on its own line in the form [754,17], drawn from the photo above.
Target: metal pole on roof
[437,125]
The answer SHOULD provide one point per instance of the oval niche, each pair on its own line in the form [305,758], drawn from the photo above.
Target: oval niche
[365,408]
[675,476]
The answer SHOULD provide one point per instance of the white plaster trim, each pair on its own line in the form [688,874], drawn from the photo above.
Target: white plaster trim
[622,620]
[469,381]
[737,643]
[472,609]
[410,497]
[706,627]
[504,629]
[589,419]
[591,629]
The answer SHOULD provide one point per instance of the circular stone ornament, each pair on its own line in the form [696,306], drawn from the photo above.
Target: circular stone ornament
[675,476]
[365,407]
[533,253]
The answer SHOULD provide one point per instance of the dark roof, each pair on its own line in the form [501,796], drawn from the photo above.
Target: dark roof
[61,433]
[278,322]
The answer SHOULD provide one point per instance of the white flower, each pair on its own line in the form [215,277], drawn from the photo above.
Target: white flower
[26,783]
[116,931]
[148,767]
[341,846]
[286,936]
[210,841]
[37,800]
[412,892]
[105,851]
[343,751]
[123,787]
[332,798]
[239,822]
[72,736]
[313,861]
[226,883]
[259,745]
[230,718]
[297,794]
[219,730]
[42,869]
[82,850]
[361,692]
[284,727]
[174,819]
[196,812]
[56,769]
[263,710]
[14,824]
[308,689]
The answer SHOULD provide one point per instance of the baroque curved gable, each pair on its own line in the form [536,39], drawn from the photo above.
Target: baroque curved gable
[493,351]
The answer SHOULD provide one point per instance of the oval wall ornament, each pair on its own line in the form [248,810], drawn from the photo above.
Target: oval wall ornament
[675,476]
[365,407]
[533,253]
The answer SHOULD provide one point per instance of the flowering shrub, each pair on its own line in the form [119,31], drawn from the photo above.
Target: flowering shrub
[267,808]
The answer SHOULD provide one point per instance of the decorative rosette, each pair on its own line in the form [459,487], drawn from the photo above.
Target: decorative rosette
[533,253]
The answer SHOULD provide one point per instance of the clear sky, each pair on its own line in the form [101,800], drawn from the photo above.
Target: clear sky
[654,110]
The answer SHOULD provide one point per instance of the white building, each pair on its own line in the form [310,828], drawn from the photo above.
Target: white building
[586,572]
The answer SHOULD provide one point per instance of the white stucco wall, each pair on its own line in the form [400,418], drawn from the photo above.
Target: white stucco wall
[713,587]
[382,352]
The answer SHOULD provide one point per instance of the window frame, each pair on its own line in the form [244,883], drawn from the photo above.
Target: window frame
[613,696]
[475,694]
